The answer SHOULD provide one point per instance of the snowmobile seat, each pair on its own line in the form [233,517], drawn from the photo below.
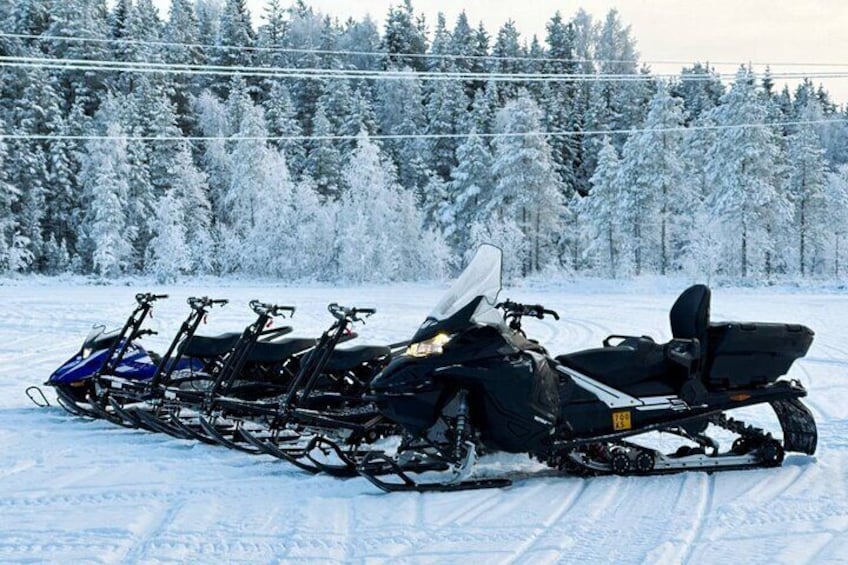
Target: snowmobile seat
[206,347]
[641,367]
[638,367]
[690,315]
[280,350]
[353,357]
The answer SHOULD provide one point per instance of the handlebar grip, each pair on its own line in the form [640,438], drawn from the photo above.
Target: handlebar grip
[221,301]
[148,297]
[552,313]
[279,310]
[366,311]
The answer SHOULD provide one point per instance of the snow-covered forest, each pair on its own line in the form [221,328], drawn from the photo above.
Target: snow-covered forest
[194,142]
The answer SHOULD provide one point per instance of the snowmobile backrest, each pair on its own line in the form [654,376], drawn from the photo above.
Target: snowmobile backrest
[690,315]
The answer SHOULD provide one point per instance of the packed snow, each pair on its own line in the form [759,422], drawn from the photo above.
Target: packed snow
[73,490]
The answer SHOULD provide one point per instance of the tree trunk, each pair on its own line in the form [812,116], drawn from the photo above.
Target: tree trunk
[663,250]
[744,249]
[538,223]
[637,240]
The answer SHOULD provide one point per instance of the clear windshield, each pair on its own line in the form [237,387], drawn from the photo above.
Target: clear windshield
[98,336]
[482,277]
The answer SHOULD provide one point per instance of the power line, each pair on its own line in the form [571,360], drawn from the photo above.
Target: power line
[322,73]
[389,137]
[382,54]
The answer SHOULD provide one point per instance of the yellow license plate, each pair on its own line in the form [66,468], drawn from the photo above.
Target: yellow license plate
[621,420]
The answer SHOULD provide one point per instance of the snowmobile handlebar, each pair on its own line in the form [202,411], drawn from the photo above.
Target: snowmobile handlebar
[513,309]
[148,298]
[272,310]
[205,302]
[143,333]
[350,314]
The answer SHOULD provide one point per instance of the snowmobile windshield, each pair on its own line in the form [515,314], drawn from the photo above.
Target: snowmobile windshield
[98,338]
[471,299]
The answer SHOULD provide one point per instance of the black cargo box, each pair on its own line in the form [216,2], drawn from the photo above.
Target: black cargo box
[742,354]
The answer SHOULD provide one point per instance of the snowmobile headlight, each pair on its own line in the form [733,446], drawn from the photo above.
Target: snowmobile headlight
[432,346]
[86,351]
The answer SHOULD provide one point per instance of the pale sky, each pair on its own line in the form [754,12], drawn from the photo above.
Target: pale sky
[735,31]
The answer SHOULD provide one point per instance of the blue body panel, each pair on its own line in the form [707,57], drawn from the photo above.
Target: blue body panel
[136,365]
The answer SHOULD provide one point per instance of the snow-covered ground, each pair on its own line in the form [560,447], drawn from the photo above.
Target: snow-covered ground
[73,490]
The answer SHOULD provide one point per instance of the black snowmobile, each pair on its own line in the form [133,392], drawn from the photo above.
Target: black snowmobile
[472,383]
[257,416]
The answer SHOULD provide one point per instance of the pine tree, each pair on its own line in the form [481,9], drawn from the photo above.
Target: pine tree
[404,39]
[281,118]
[8,222]
[382,236]
[699,95]
[323,162]
[80,19]
[105,231]
[742,173]
[508,54]
[235,31]
[169,255]
[400,112]
[560,102]
[806,187]
[445,111]
[189,188]
[212,122]
[526,184]
[470,182]
[836,196]
[361,37]
[654,184]
[603,209]
[462,45]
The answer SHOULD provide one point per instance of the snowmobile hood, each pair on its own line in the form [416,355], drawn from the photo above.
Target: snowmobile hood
[471,299]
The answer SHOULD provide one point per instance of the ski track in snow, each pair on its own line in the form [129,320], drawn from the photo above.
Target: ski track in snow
[75,490]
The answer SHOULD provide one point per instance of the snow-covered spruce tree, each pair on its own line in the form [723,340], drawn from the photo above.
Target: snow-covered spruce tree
[527,187]
[445,110]
[361,36]
[559,101]
[293,234]
[806,190]
[405,34]
[471,181]
[8,223]
[189,188]
[323,162]
[380,234]
[246,191]
[169,256]
[80,19]
[836,197]
[602,209]
[212,122]
[236,31]
[281,118]
[105,234]
[741,167]
[400,111]
[699,94]
[508,53]
[267,250]
[607,105]
[654,186]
